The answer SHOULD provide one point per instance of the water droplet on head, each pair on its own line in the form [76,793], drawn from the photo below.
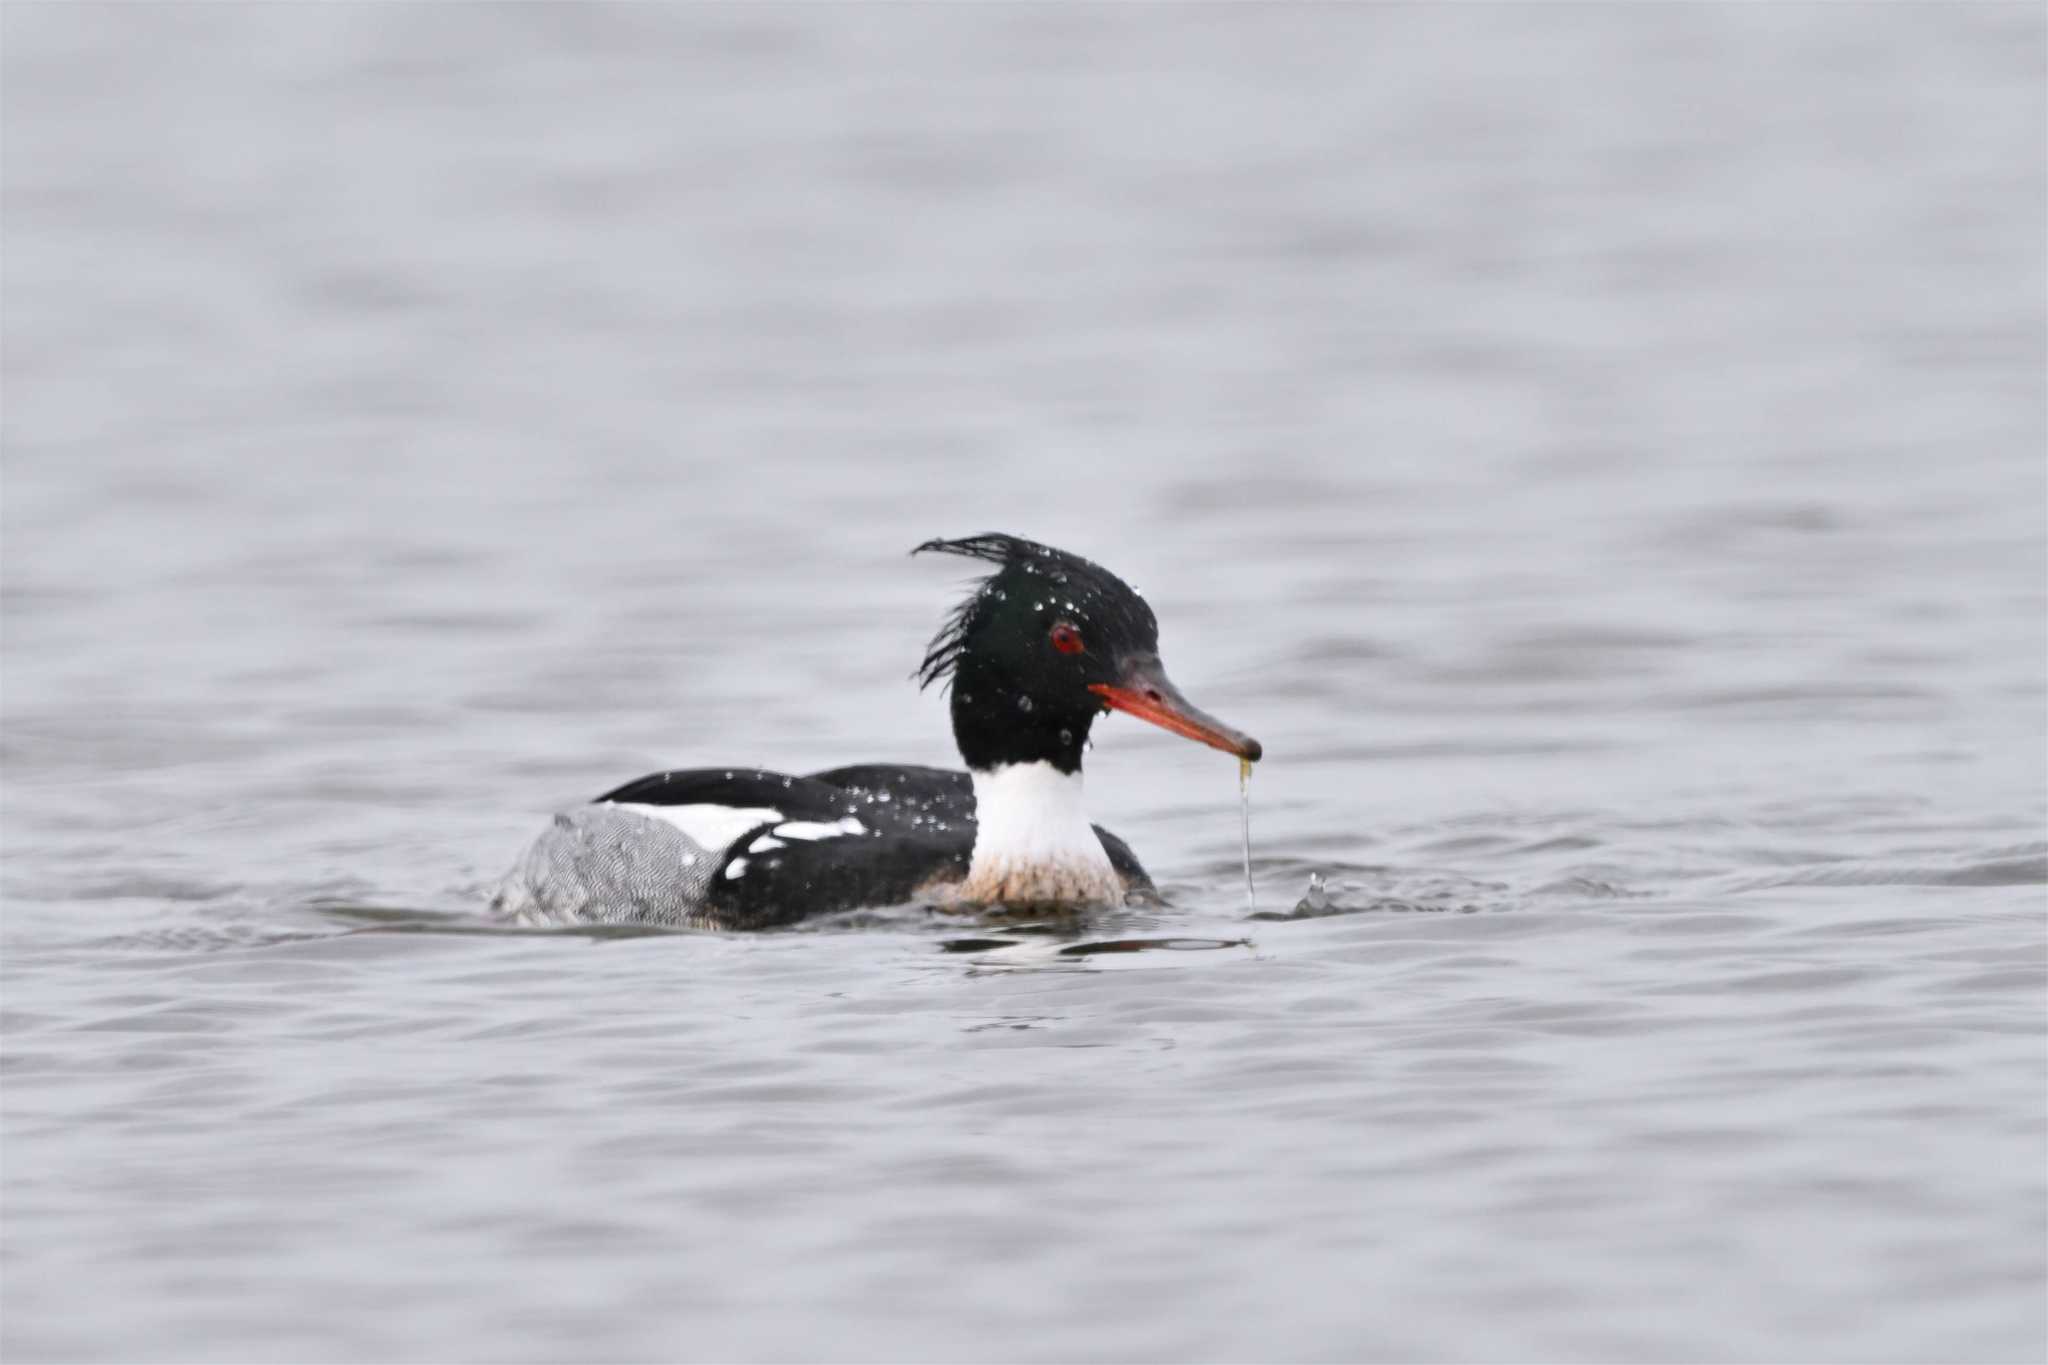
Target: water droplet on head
[1066,736]
[1023,703]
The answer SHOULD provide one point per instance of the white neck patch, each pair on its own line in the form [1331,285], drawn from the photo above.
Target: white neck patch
[1032,840]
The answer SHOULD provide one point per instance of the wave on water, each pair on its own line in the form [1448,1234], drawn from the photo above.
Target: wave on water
[2001,869]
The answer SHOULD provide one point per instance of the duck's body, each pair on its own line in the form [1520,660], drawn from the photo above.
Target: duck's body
[742,848]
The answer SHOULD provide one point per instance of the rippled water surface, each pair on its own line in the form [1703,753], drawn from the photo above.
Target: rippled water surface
[1599,451]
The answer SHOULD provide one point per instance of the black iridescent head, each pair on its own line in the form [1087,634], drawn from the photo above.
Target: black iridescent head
[1043,646]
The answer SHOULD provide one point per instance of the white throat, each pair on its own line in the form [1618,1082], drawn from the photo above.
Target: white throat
[1033,842]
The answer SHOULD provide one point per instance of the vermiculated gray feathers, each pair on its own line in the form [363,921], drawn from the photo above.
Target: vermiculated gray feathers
[601,864]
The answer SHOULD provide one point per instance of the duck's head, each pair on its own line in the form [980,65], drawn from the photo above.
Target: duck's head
[1043,646]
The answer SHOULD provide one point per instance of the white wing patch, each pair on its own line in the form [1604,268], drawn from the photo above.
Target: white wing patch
[714,828]
[708,827]
[816,829]
[806,830]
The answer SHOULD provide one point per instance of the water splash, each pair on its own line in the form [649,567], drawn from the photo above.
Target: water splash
[1244,804]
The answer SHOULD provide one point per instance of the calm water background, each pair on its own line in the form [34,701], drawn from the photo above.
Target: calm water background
[1598,450]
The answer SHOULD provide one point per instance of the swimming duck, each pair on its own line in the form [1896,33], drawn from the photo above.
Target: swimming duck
[1044,644]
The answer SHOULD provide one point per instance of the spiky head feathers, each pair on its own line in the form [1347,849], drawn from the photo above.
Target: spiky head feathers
[1042,610]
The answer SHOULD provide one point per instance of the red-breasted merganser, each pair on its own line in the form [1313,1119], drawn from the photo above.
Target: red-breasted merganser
[1042,646]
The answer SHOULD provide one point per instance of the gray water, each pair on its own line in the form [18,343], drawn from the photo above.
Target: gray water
[1599,451]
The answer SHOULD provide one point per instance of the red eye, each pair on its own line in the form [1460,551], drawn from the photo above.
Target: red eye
[1066,639]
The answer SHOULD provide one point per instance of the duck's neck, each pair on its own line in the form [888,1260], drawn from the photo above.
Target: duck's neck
[1032,840]
[998,723]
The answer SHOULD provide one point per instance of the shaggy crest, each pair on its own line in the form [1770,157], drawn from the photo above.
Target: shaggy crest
[1084,589]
